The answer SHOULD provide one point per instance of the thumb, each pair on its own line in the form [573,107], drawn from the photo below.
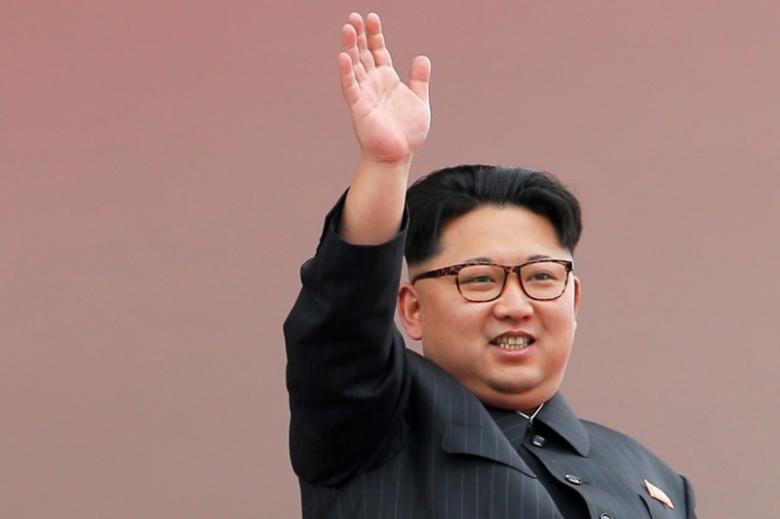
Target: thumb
[420,76]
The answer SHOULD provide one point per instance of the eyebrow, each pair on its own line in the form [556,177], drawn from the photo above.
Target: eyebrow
[485,259]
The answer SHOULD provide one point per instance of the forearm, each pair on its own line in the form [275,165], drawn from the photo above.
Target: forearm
[375,202]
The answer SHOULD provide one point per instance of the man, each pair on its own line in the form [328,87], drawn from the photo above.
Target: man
[477,428]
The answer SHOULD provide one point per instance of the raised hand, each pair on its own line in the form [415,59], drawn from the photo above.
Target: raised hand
[391,119]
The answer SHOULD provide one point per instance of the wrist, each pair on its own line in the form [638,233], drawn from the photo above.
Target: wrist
[371,162]
[374,205]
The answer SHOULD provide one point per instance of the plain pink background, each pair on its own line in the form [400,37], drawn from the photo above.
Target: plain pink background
[165,167]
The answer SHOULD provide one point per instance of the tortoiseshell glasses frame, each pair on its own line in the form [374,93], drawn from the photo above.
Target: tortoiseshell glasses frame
[552,289]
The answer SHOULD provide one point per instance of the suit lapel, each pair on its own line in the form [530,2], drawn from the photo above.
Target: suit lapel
[465,425]
[472,431]
[484,442]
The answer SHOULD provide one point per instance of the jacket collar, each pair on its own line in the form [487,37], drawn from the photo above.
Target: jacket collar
[555,415]
[558,416]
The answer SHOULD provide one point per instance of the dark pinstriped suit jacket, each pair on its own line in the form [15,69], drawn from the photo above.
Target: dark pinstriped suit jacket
[377,431]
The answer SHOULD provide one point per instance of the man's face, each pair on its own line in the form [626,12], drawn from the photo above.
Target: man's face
[460,336]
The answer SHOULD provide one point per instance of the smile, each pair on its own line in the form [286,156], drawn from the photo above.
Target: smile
[512,342]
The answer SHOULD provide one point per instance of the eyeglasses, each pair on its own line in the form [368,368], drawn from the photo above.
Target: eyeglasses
[479,282]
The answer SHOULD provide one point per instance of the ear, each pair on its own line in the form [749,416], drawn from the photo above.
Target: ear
[409,311]
[577,296]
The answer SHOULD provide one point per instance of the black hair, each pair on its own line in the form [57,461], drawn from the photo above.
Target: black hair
[438,198]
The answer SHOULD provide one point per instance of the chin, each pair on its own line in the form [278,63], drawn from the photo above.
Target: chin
[517,384]
[511,395]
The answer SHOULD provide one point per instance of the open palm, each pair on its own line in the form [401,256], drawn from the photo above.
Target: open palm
[391,119]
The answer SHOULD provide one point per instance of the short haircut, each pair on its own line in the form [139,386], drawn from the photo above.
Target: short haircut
[438,198]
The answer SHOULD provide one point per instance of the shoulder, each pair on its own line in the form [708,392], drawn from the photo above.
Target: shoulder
[606,440]
[600,431]
[641,468]
[622,452]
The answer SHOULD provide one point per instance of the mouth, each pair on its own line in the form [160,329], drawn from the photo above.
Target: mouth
[512,342]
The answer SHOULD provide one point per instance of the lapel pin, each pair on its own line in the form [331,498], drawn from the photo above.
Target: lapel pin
[658,494]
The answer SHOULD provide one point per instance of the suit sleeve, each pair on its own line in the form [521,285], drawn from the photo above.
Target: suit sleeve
[690,499]
[345,361]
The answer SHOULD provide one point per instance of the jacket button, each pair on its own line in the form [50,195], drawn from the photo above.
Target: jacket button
[605,516]
[574,480]
[538,441]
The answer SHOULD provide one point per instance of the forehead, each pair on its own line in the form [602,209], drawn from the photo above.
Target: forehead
[507,234]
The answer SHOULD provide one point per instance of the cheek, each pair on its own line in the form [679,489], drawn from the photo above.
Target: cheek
[448,323]
[559,323]
[444,309]
[468,319]
[559,327]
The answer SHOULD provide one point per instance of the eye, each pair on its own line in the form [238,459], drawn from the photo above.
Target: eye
[477,279]
[480,276]
[544,273]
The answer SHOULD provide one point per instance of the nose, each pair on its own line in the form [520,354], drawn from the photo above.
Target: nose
[513,303]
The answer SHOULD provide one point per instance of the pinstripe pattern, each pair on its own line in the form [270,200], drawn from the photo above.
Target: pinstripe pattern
[379,432]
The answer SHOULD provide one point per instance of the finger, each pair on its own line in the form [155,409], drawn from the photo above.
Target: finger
[366,58]
[420,76]
[349,85]
[349,41]
[376,41]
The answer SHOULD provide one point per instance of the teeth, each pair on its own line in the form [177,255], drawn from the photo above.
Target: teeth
[512,343]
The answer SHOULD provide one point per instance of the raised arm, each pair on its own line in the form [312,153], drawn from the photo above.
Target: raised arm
[345,359]
[391,120]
